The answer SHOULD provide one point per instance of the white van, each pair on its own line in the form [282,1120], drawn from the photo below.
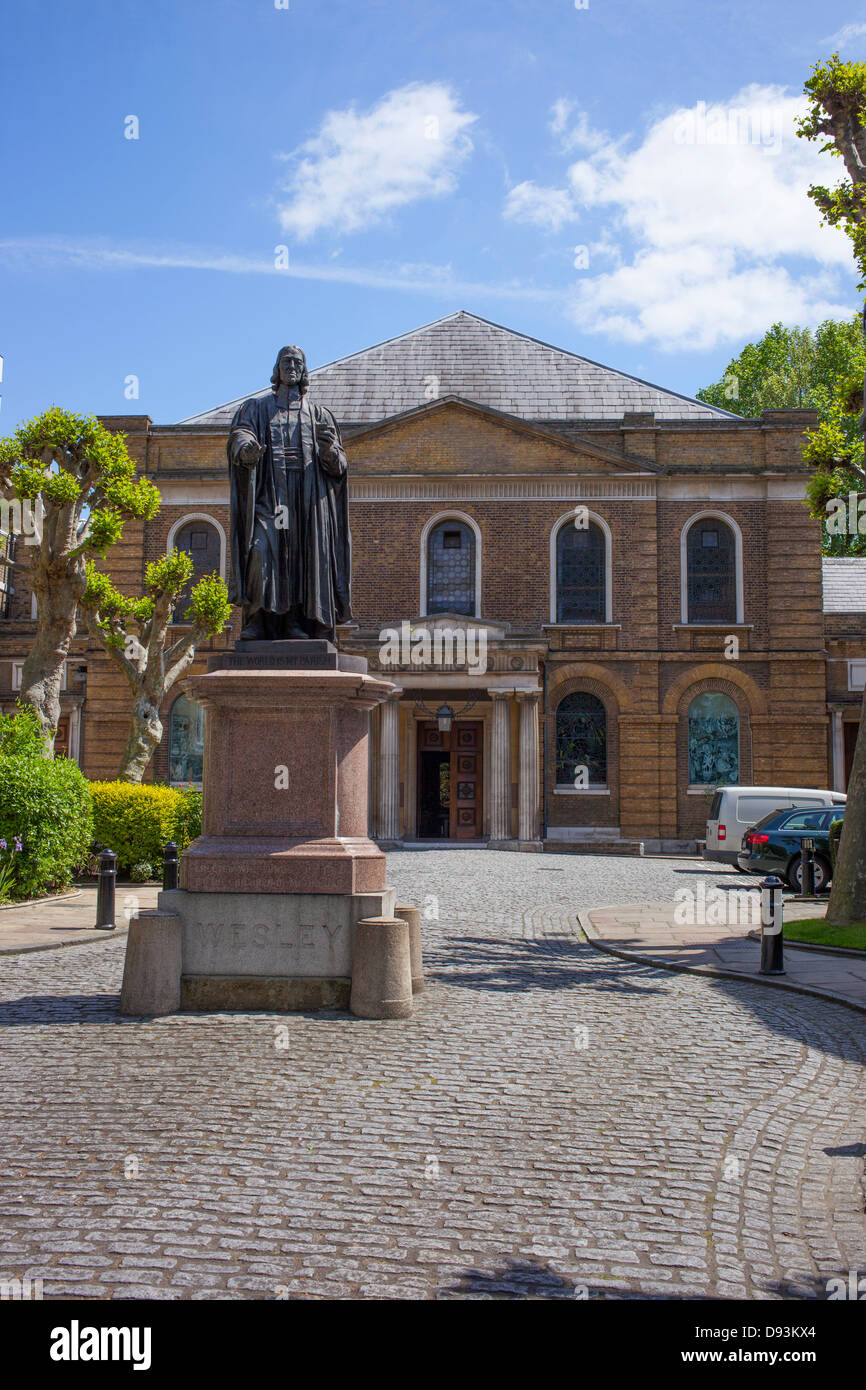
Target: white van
[734,810]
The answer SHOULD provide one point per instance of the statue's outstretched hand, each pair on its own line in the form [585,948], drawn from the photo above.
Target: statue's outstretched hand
[250,452]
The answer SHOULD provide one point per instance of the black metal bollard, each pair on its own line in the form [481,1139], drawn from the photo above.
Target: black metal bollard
[105,891]
[169,866]
[772,958]
[807,868]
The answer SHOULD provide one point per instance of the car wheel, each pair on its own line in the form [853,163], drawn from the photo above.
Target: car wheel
[795,873]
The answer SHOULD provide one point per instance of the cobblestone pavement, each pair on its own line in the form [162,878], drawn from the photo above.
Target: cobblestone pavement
[551,1123]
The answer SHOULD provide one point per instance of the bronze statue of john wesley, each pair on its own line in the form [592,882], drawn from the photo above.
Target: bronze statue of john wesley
[291,553]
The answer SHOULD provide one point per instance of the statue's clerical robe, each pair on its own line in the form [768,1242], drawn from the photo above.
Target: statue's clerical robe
[290,544]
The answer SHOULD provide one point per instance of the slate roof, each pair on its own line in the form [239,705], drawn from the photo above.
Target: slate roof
[845,584]
[467,356]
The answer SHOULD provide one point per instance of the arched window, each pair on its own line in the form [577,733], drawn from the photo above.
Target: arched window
[580,574]
[711,570]
[185,742]
[451,568]
[581,740]
[201,541]
[714,740]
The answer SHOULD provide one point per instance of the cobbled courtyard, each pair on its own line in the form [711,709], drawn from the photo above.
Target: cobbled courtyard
[551,1123]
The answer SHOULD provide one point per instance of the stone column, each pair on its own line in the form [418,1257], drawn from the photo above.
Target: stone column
[388,827]
[500,767]
[838,768]
[528,828]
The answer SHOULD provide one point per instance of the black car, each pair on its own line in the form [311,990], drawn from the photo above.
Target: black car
[775,844]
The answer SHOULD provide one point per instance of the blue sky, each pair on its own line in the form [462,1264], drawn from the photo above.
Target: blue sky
[621,180]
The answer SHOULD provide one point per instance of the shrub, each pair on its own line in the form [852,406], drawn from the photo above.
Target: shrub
[137,821]
[21,733]
[46,803]
[142,873]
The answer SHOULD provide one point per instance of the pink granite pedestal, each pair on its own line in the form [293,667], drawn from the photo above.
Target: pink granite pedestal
[285,783]
[272,890]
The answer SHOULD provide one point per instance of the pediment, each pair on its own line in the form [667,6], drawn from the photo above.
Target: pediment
[455,436]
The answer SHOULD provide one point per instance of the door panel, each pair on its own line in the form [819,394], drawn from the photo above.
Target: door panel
[463,745]
[466,754]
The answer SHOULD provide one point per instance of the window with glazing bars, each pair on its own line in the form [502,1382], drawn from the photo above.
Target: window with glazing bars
[581,738]
[580,579]
[711,582]
[7,555]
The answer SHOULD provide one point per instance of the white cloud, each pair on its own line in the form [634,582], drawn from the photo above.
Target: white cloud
[99,256]
[706,209]
[560,112]
[844,36]
[361,166]
[550,208]
[696,297]
[576,135]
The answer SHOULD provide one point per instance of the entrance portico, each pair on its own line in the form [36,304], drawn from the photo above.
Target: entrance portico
[487,761]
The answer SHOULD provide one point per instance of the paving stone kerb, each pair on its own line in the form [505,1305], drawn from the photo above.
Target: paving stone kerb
[551,1120]
[650,935]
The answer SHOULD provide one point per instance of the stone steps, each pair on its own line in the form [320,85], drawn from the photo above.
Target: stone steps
[593,846]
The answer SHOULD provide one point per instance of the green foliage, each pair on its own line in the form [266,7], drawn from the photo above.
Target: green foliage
[137,821]
[116,615]
[792,369]
[112,612]
[170,574]
[797,369]
[21,733]
[142,873]
[837,111]
[210,607]
[73,460]
[47,803]
[60,488]
[188,817]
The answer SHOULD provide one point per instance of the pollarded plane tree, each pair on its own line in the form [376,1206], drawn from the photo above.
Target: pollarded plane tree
[135,634]
[68,485]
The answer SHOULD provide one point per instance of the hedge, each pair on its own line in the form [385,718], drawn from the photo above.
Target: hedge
[46,803]
[137,821]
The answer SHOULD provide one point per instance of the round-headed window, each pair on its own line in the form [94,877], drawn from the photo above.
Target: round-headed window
[714,740]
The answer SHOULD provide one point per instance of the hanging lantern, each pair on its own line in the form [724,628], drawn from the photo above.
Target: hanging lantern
[445,715]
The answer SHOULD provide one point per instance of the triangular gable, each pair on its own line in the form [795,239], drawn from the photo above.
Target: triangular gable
[465,437]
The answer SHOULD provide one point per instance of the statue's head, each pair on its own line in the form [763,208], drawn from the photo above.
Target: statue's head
[291,366]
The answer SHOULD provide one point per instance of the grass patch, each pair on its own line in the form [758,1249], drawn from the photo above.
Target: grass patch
[817,931]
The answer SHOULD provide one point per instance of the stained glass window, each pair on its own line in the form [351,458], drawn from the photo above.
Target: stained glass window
[451,569]
[714,740]
[580,558]
[581,739]
[185,743]
[711,559]
[201,541]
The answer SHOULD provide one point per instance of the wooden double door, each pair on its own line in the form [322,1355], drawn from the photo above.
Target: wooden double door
[450,780]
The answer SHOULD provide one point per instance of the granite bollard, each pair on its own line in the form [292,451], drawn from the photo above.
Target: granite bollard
[152,968]
[412,917]
[381,969]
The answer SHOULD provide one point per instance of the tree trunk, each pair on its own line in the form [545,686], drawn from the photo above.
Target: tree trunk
[42,676]
[145,735]
[848,894]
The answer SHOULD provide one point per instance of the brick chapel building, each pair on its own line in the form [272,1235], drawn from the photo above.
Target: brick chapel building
[640,566]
